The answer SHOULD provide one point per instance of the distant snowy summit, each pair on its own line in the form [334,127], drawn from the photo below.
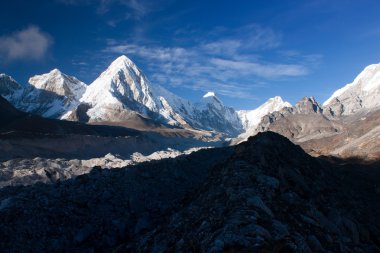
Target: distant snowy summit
[209,94]
[362,93]
[49,95]
[251,118]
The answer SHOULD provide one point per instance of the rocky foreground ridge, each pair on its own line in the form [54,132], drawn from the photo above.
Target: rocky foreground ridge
[264,195]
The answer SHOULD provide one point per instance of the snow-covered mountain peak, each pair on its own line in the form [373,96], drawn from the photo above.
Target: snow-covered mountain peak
[276,100]
[367,80]
[122,64]
[55,72]
[122,60]
[123,88]
[122,81]
[9,88]
[362,93]
[210,99]
[61,84]
[52,94]
[3,75]
[209,94]
[251,118]
[274,104]
[8,78]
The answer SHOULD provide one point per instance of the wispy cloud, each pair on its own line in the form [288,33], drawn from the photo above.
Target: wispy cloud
[269,70]
[295,55]
[134,9]
[27,44]
[227,61]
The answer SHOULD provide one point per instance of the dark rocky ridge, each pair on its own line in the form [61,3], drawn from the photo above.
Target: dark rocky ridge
[264,195]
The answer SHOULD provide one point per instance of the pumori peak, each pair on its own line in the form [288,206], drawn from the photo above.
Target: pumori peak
[122,62]
[123,89]
[122,81]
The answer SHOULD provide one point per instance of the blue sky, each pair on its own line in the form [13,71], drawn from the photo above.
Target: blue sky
[245,51]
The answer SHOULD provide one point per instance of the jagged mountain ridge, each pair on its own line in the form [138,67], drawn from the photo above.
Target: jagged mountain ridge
[345,125]
[49,95]
[306,106]
[319,133]
[120,93]
[123,93]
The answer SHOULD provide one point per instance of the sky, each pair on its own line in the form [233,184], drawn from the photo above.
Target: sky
[244,51]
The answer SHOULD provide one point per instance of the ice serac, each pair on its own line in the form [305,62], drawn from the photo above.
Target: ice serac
[251,118]
[362,93]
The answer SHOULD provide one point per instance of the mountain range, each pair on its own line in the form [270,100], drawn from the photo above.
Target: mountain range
[122,95]
[346,125]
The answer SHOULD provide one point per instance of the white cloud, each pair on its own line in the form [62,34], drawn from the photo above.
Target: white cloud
[246,38]
[227,61]
[256,36]
[261,70]
[293,55]
[152,53]
[30,43]
[227,46]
